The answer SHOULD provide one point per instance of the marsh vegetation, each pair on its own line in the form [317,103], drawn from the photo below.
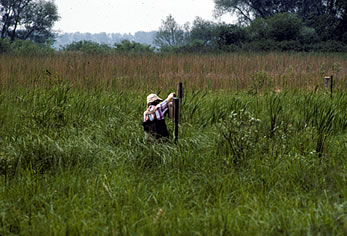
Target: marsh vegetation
[262,147]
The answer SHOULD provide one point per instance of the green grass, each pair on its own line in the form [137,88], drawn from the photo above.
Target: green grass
[74,161]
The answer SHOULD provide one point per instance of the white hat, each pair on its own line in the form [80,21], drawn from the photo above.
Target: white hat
[152,98]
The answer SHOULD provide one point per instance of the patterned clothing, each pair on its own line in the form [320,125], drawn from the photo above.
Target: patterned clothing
[159,113]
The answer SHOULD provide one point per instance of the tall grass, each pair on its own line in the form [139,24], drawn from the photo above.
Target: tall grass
[73,160]
[250,72]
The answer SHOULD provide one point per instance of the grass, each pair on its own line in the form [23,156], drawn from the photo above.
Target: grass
[73,159]
[235,72]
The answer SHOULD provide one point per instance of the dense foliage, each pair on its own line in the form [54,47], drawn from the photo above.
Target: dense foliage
[277,32]
[25,47]
[27,20]
[267,25]
[126,46]
[75,160]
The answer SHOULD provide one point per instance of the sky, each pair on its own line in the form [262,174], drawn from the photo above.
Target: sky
[129,16]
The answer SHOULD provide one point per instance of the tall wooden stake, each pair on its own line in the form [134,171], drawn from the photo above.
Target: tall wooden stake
[176,112]
[177,107]
[180,96]
[331,86]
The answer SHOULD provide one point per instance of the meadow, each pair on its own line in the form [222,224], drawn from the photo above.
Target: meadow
[262,145]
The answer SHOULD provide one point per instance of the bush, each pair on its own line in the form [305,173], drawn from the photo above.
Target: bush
[327,46]
[197,46]
[133,47]
[261,45]
[87,47]
[238,135]
[4,46]
[308,35]
[25,47]
[290,45]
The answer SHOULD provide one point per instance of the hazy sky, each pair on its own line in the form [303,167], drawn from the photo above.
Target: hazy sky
[128,16]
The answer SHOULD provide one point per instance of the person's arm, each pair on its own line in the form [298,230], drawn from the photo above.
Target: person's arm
[145,116]
[164,105]
[150,110]
[171,96]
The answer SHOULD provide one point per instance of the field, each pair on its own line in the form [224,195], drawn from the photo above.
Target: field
[262,146]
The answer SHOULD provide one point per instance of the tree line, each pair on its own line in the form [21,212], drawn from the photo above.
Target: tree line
[263,25]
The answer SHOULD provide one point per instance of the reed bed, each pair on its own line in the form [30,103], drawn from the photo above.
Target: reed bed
[259,153]
[232,72]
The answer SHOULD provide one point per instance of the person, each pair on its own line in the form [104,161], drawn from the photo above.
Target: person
[154,116]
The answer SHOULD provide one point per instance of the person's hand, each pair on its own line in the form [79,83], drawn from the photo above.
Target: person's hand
[151,110]
[172,95]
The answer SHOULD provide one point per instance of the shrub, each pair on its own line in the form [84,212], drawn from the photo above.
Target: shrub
[327,46]
[87,47]
[133,47]
[239,135]
[4,46]
[261,45]
[26,47]
[308,35]
[290,45]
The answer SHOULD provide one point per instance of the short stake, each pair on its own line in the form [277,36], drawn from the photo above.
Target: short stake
[329,84]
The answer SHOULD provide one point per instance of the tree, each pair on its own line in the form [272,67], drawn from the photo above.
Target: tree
[203,31]
[327,17]
[281,27]
[27,19]
[285,27]
[5,46]
[342,26]
[247,10]
[229,34]
[258,29]
[170,34]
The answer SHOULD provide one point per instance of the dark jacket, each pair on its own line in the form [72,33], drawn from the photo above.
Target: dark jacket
[156,128]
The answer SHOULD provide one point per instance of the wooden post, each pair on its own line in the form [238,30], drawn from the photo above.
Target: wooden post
[176,112]
[180,96]
[329,83]
[177,103]
[171,110]
[180,90]
[331,86]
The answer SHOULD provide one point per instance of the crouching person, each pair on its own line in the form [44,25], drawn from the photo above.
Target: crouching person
[154,117]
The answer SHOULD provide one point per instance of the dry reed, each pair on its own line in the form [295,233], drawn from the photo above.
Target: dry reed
[234,72]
